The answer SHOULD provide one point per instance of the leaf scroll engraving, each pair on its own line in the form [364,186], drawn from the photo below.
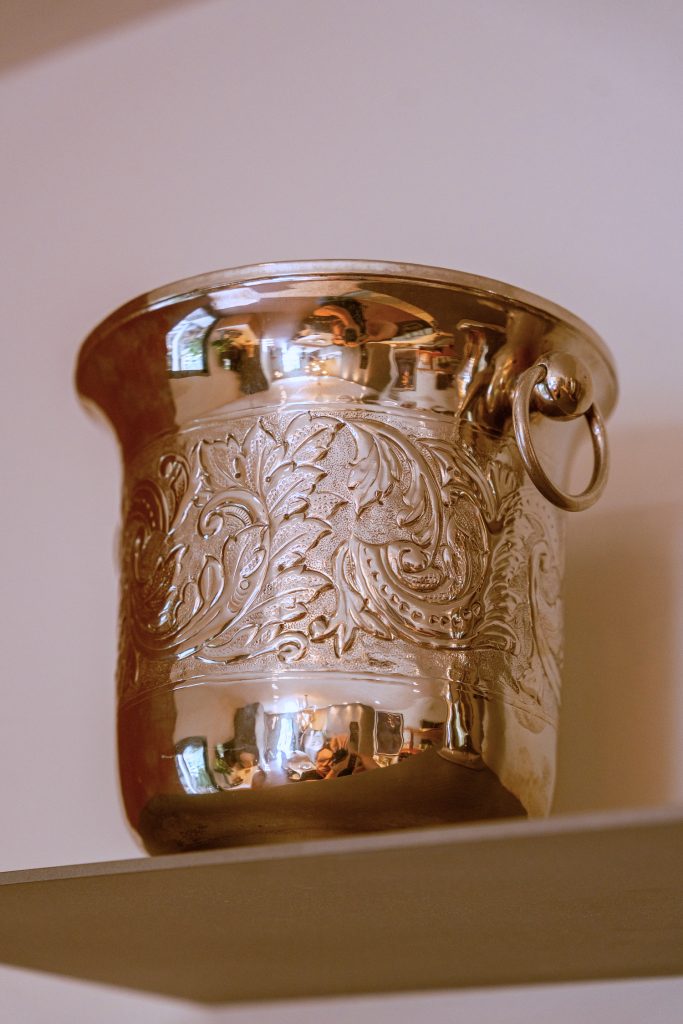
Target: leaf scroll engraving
[315,535]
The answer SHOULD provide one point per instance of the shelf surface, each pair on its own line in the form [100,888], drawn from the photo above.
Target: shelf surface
[571,898]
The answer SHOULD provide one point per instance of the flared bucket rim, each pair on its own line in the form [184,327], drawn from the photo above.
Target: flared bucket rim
[263,273]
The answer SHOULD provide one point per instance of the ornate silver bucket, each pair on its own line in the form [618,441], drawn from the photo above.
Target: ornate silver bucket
[341,552]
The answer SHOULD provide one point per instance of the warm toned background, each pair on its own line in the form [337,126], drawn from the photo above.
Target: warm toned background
[535,142]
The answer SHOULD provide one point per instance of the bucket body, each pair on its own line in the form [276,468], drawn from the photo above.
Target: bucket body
[335,567]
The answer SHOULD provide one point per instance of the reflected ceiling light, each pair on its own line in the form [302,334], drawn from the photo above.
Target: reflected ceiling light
[232,297]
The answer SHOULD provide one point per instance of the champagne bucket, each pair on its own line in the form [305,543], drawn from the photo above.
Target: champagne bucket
[341,546]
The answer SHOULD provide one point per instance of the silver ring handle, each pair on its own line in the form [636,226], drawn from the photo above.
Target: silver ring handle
[559,387]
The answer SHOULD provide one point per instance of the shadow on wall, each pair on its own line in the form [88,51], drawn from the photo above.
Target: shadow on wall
[619,742]
[32,28]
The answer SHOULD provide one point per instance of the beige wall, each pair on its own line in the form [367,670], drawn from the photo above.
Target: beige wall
[537,143]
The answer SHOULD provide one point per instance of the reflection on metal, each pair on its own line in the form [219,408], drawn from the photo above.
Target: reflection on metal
[463,732]
[333,742]
[339,740]
[333,556]
[191,760]
[186,345]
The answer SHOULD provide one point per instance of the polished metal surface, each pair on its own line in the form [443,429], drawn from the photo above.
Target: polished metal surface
[333,559]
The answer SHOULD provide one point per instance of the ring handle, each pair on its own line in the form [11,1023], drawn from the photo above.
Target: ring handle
[558,386]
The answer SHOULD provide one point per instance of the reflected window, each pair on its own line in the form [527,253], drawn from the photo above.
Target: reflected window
[388,732]
[186,344]
[192,764]
[292,359]
[405,371]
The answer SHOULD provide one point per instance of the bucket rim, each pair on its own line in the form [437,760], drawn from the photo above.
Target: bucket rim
[188,288]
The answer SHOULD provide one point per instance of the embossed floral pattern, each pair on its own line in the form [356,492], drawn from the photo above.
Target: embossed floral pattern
[316,529]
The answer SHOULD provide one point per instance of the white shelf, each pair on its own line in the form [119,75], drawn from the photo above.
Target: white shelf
[503,903]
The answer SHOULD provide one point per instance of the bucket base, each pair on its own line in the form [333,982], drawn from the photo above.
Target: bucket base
[424,791]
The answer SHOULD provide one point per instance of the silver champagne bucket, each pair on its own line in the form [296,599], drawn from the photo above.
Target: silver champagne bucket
[342,546]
